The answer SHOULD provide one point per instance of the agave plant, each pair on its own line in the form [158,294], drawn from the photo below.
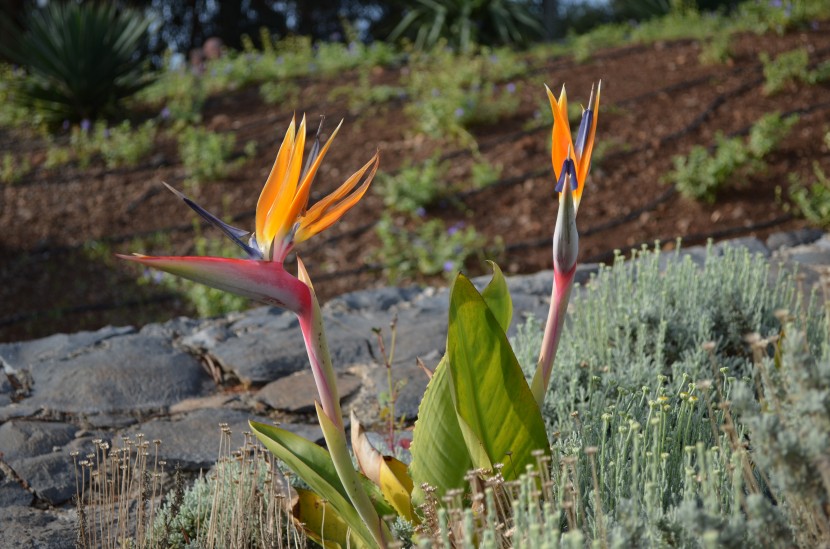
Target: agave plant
[81,59]
[465,23]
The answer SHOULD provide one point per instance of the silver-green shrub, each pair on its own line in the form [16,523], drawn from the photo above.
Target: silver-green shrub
[648,448]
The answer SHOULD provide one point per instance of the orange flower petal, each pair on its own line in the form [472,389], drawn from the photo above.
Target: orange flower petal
[561,133]
[277,222]
[275,178]
[300,202]
[325,213]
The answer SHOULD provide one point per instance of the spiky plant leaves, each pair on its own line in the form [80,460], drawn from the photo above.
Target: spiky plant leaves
[465,23]
[81,59]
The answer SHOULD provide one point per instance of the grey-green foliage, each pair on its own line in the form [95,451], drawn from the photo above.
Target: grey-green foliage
[236,505]
[645,362]
[789,426]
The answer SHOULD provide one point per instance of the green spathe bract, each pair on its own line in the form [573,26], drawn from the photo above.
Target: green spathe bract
[440,458]
[497,413]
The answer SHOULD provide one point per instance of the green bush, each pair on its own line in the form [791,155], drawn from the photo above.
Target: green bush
[118,146]
[451,92]
[701,174]
[14,113]
[812,202]
[82,59]
[123,145]
[785,69]
[413,186]
[178,95]
[205,154]
[790,68]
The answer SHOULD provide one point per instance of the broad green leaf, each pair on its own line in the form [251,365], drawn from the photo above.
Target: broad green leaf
[439,453]
[313,464]
[500,416]
[322,523]
[497,297]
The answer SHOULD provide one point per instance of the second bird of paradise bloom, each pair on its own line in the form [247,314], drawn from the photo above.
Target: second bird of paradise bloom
[283,220]
[571,159]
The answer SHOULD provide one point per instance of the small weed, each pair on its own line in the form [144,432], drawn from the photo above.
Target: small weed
[205,154]
[279,91]
[716,50]
[483,173]
[414,186]
[785,70]
[13,169]
[430,248]
[812,202]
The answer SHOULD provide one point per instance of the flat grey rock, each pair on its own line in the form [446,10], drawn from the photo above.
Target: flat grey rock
[22,439]
[29,528]
[296,393]
[12,493]
[50,476]
[135,373]
[192,440]
[21,355]
[381,299]
[750,243]
[789,239]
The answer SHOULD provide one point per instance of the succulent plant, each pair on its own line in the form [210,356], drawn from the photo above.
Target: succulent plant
[81,59]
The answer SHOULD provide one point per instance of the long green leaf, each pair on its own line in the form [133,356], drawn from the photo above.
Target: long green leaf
[501,420]
[439,454]
[313,464]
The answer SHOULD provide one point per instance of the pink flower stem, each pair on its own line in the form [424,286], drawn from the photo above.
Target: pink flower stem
[314,335]
[561,293]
